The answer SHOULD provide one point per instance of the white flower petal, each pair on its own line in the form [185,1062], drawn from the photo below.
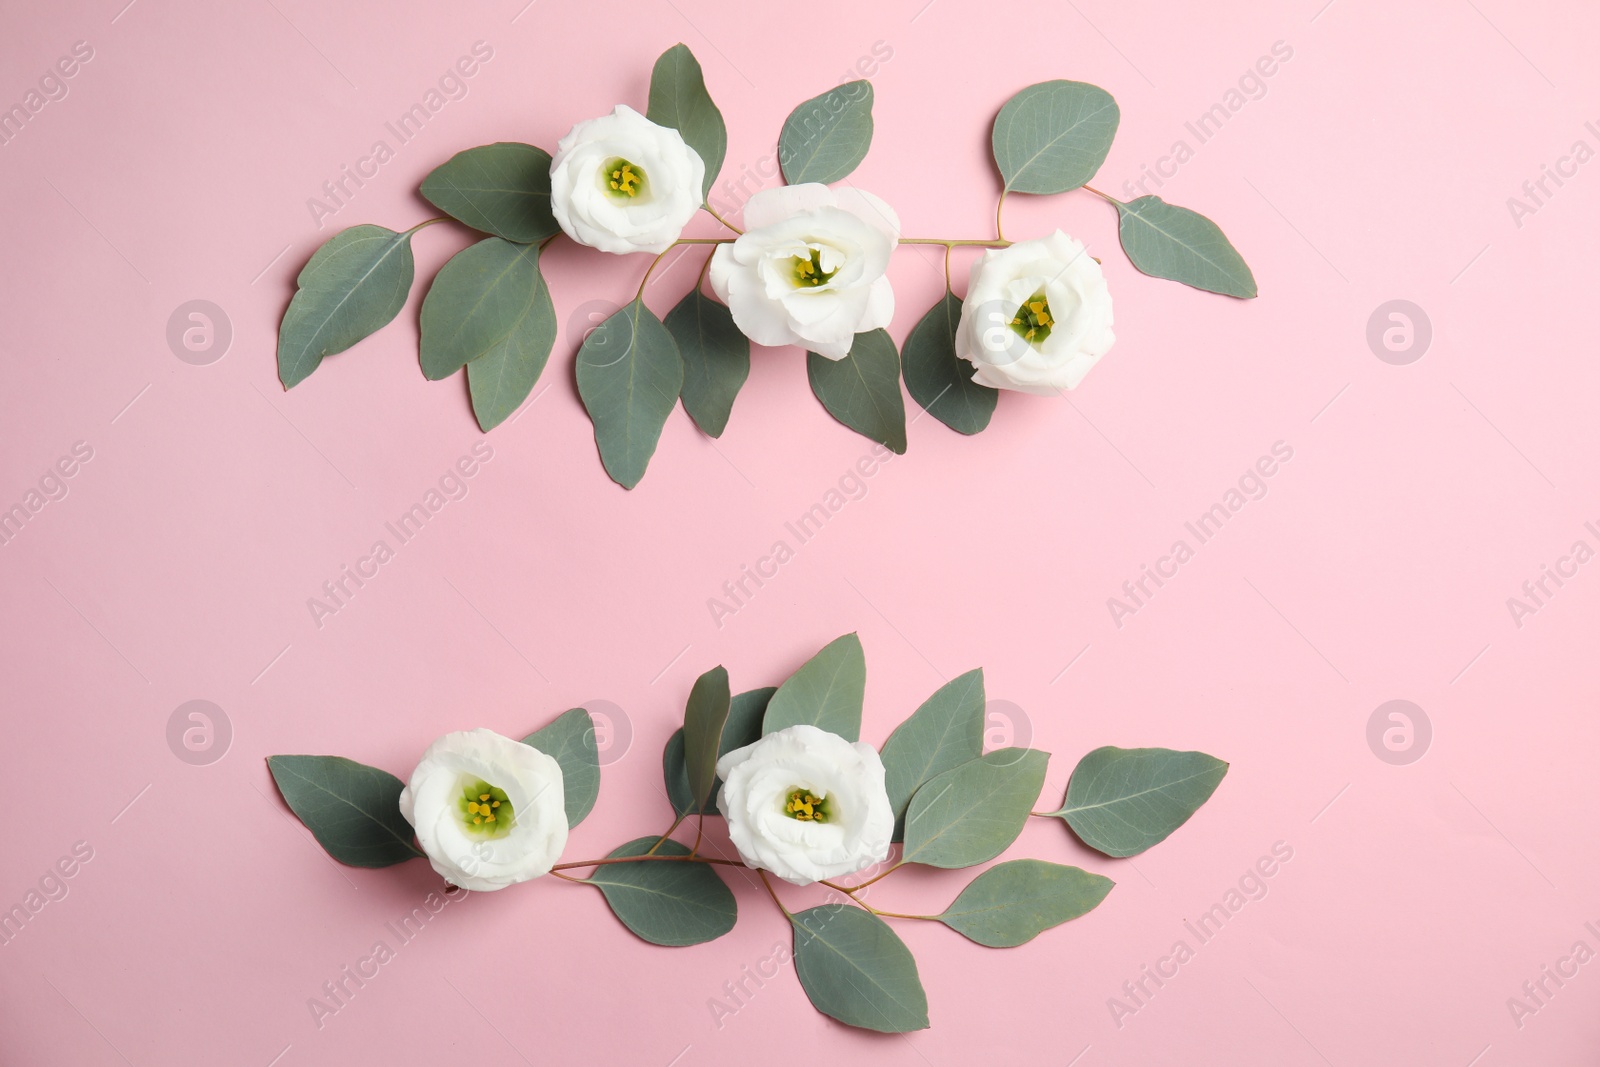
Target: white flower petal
[534,787]
[652,221]
[757,782]
[1079,302]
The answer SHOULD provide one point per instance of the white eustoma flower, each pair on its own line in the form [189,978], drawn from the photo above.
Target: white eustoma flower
[809,270]
[621,183]
[488,811]
[1037,316]
[806,804]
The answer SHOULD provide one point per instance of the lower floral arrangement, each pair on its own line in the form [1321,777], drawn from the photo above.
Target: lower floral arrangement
[805,800]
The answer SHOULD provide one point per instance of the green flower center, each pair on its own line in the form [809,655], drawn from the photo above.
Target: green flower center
[623,180]
[485,809]
[808,272]
[806,806]
[1032,321]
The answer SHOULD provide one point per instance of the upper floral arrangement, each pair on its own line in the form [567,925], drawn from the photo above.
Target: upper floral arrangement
[807,268]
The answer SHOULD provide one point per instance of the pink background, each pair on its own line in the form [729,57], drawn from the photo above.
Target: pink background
[1419,498]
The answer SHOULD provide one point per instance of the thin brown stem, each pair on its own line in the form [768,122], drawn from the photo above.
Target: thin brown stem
[950,243]
[1102,196]
[675,824]
[647,856]
[713,213]
[569,878]
[948,284]
[705,268]
[699,834]
[883,874]
[999,231]
[428,222]
[773,894]
[901,914]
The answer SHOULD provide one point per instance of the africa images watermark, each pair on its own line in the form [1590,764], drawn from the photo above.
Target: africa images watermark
[1138,992]
[337,192]
[51,486]
[1252,85]
[52,86]
[1537,592]
[752,577]
[51,888]
[1252,485]
[340,990]
[1537,191]
[337,592]
[1538,992]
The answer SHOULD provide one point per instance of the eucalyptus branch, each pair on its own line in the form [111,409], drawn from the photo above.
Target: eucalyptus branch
[642,858]
[773,894]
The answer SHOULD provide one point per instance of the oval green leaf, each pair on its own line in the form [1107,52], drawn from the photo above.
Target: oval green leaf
[716,359]
[703,719]
[945,732]
[1013,902]
[678,99]
[664,901]
[971,814]
[1053,136]
[1167,241]
[355,284]
[488,297]
[862,390]
[502,188]
[857,970]
[827,137]
[569,740]
[629,376]
[940,380]
[1120,801]
[351,809]
[826,692]
[745,713]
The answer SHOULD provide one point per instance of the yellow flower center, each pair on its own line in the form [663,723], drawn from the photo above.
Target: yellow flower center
[806,806]
[808,272]
[485,809]
[623,179]
[1032,321]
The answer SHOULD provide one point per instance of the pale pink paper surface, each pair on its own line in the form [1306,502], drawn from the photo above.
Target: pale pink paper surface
[1376,166]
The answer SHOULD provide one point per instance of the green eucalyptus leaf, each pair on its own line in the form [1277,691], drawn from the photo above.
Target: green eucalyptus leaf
[703,720]
[862,390]
[971,814]
[629,376]
[743,728]
[826,692]
[663,901]
[1013,902]
[716,359]
[351,809]
[490,302]
[827,137]
[1053,136]
[678,99]
[503,189]
[857,970]
[945,732]
[569,740]
[501,380]
[1166,241]
[940,380]
[355,284]
[1120,801]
